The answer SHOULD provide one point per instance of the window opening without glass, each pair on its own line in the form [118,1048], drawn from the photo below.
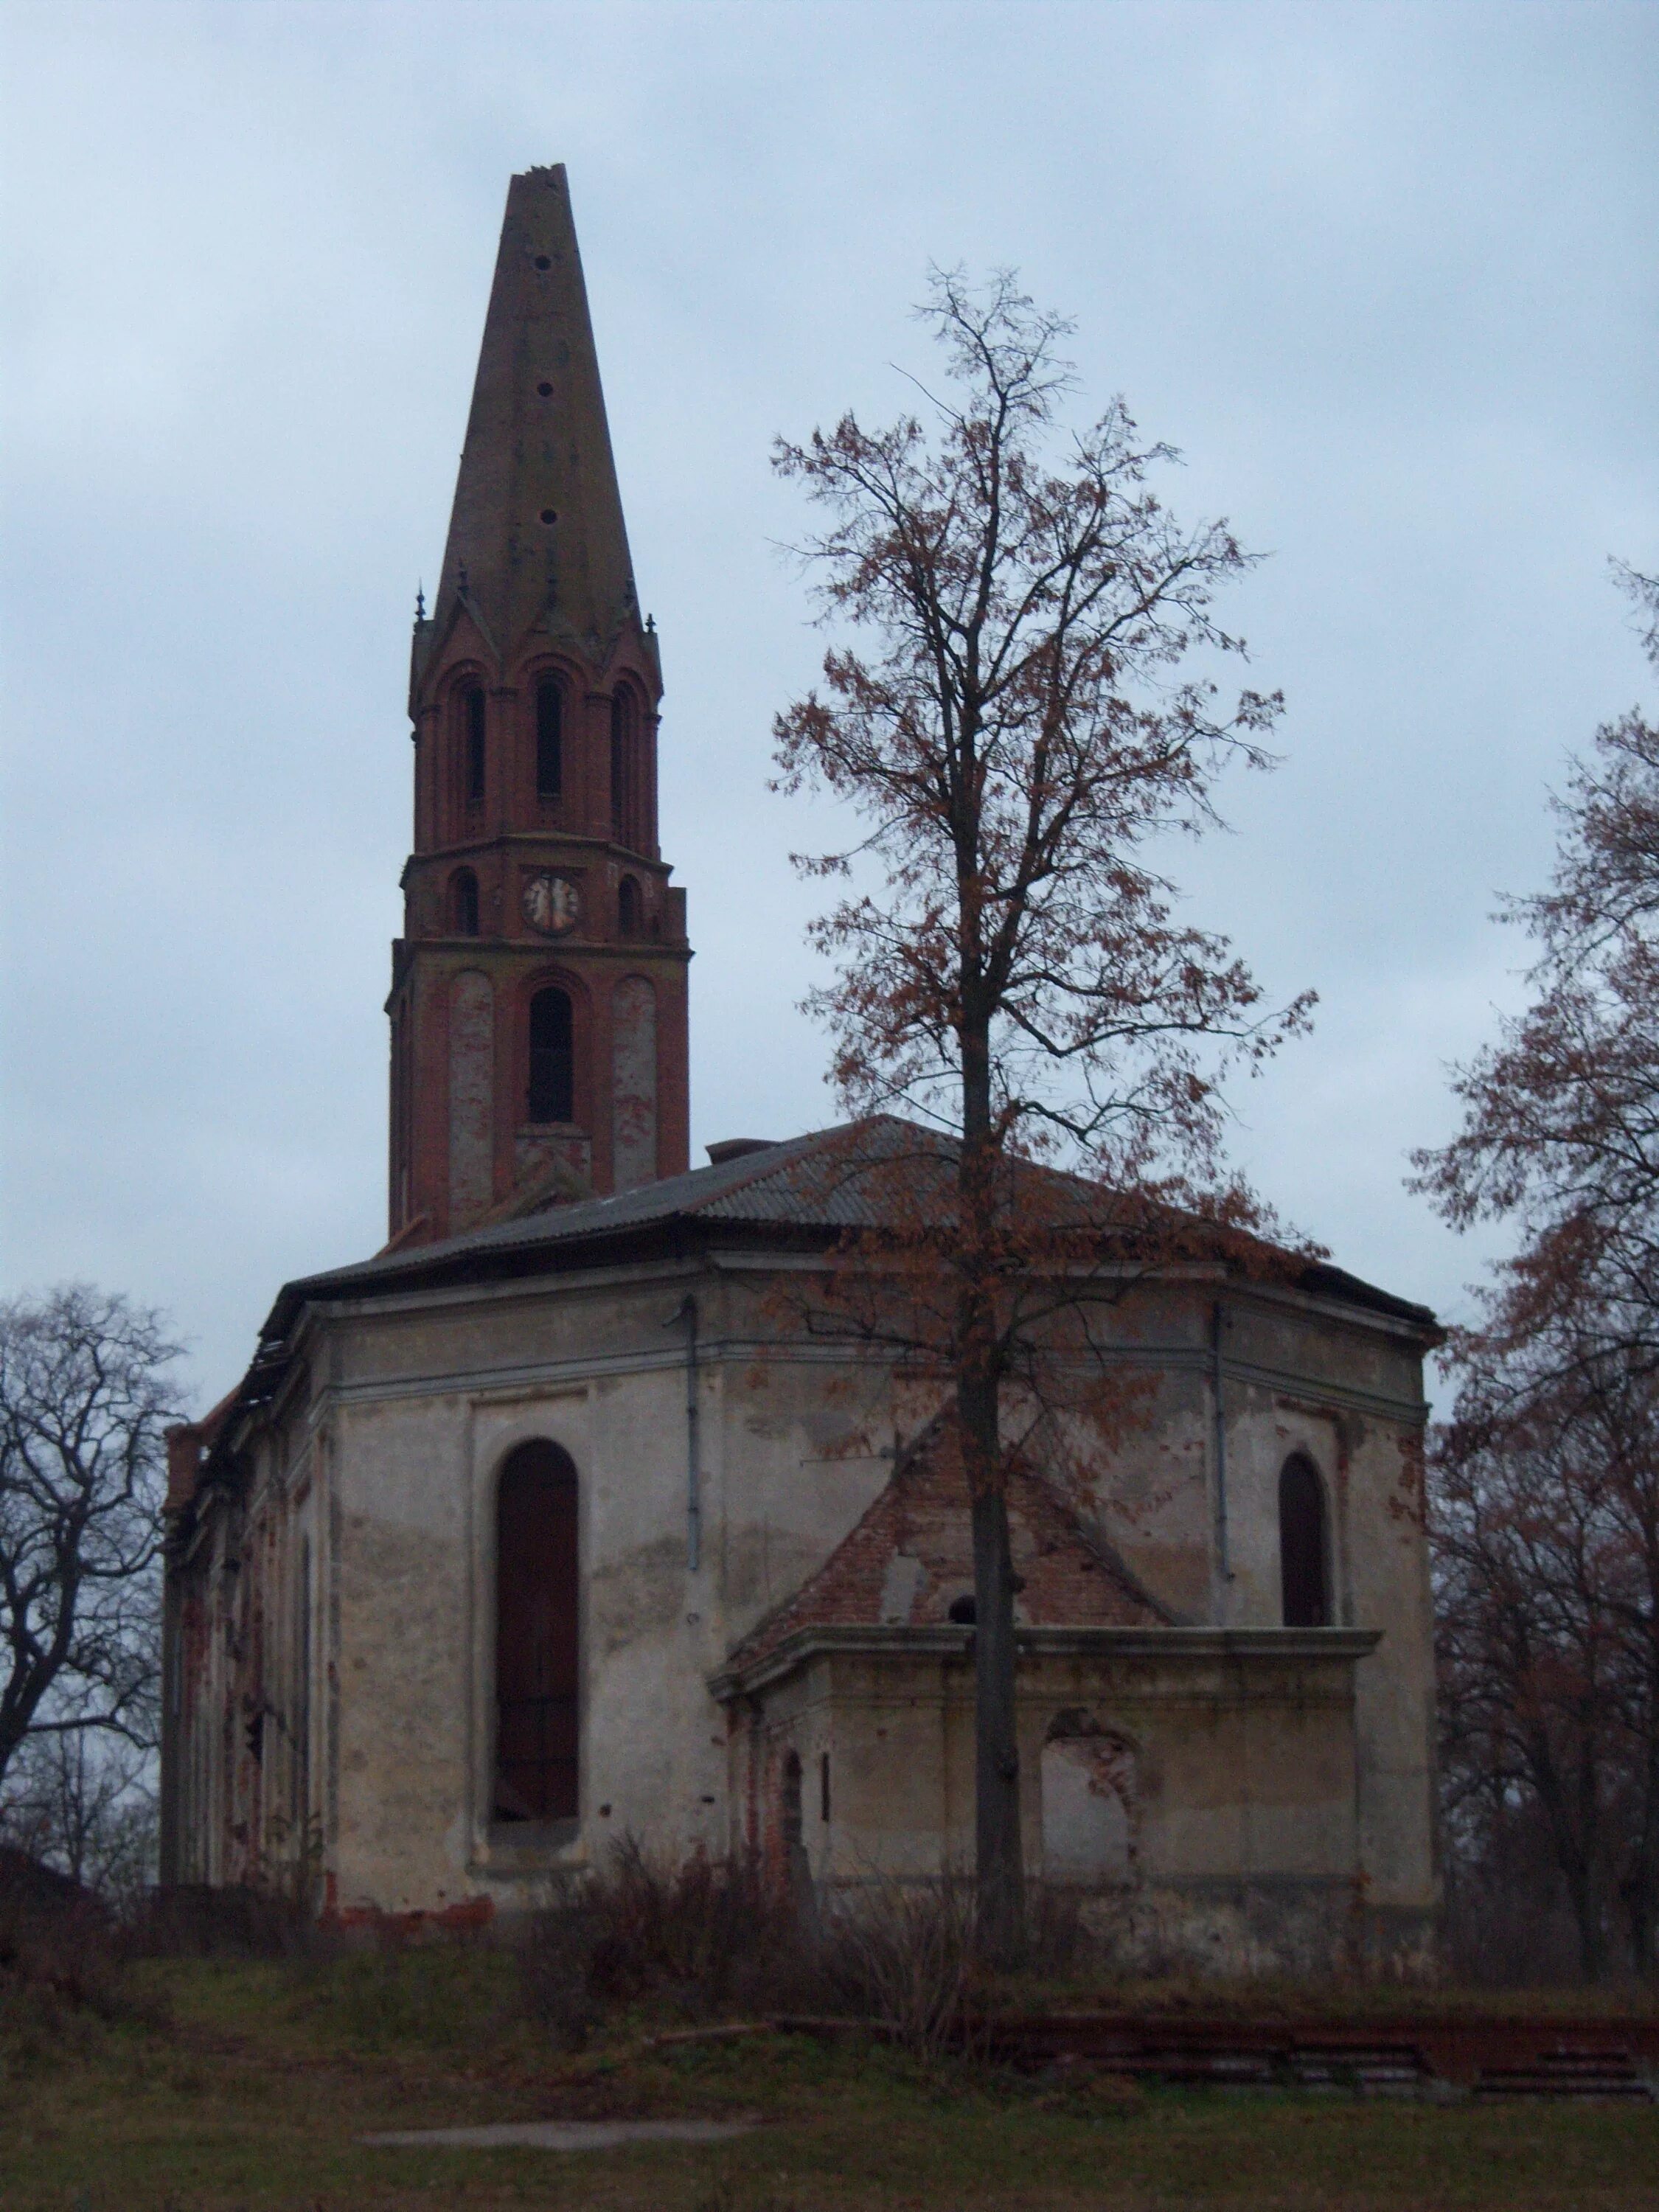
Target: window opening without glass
[1302,1548]
[550,738]
[552,1070]
[537,1636]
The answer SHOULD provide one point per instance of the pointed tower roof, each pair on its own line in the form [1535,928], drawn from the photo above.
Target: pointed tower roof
[536,536]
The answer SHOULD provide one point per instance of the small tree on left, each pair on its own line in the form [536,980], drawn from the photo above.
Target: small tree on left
[86,1390]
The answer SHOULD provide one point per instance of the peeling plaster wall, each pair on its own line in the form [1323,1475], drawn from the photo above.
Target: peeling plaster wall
[381,1470]
[241,1708]
[1234,1778]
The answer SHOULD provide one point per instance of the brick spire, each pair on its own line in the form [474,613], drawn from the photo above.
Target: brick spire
[538,999]
[537,448]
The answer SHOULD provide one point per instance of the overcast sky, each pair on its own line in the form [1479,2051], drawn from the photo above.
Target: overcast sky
[1387,275]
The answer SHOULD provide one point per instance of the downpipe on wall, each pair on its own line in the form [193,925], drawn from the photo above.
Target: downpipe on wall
[686,1314]
[1219,1407]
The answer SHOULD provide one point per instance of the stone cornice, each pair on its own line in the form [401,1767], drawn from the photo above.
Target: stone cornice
[1194,1646]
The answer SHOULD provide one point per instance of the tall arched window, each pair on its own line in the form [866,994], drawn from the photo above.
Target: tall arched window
[1302,1547]
[463,902]
[789,1808]
[624,768]
[552,1058]
[472,744]
[537,1639]
[628,908]
[550,738]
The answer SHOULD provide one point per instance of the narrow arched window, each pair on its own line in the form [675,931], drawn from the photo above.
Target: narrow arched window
[463,902]
[473,741]
[552,1058]
[628,908]
[790,1809]
[537,1643]
[623,768]
[1302,1546]
[550,738]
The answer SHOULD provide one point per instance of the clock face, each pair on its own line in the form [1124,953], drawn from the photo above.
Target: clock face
[552,904]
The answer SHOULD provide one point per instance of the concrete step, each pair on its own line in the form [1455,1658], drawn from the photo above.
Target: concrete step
[1599,2074]
[1377,2070]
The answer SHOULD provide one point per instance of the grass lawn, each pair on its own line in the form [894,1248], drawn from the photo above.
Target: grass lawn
[248,2086]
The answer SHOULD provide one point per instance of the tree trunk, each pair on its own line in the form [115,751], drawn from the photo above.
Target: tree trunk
[999,1851]
[999,1868]
[1576,1856]
[1583,1892]
[1644,1886]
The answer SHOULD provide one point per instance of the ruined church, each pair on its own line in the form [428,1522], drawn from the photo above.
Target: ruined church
[536,1529]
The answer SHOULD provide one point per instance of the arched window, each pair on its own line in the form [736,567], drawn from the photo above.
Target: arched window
[624,768]
[552,1058]
[537,1642]
[790,1809]
[1301,1544]
[463,902]
[550,738]
[628,908]
[472,744]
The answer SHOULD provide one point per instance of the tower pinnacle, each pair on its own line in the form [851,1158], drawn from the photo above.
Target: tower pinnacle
[539,999]
[536,530]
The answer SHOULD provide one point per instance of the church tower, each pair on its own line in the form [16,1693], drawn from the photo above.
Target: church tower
[538,991]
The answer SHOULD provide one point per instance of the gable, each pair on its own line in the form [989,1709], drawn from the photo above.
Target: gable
[911,1555]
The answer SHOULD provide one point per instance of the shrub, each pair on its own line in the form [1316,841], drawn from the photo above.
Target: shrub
[190,1920]
[712,1935]
[61,1975]
[701,1936]
[901,1954]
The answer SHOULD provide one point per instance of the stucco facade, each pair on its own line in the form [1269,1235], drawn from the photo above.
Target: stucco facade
[546,1526]
[332,1640]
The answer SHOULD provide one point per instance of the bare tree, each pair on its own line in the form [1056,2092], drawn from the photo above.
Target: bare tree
[1560,1137]
[1545,1526]
[1014,728]
[85,1396]
[86,1804]
[1545,1483]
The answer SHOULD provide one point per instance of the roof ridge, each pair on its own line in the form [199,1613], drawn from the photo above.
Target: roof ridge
[762,1163]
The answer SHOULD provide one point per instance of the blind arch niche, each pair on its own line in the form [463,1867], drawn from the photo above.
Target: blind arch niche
[537,1638]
